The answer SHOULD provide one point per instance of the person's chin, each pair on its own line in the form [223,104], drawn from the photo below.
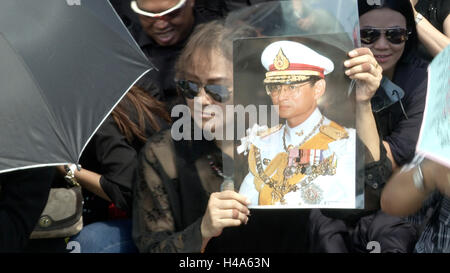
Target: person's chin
[387,62]
[283,112]
[210,130]
[212,126]
[387,66]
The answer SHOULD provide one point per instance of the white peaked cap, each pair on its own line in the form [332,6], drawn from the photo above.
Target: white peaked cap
[287,58]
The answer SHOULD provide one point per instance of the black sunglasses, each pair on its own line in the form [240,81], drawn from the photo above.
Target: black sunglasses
[394,35]
[190,90]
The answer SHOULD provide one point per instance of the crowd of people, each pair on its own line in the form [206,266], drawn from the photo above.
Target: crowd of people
[144,191]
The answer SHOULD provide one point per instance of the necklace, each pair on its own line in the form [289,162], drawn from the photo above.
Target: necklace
[306,137]
[214,167]
[228,182]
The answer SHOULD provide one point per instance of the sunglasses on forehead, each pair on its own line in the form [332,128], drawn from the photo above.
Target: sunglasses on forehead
[394,35]
[165,15]
[190,90]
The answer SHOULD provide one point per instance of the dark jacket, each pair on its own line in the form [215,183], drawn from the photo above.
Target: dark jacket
[171,196]
[396,125]
[401,128]
[23,196]
[352,230]
[111,155]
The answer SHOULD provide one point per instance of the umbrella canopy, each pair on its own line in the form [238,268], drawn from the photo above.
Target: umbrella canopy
[64,65]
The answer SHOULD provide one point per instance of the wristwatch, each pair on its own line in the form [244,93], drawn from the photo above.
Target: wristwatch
[418,18]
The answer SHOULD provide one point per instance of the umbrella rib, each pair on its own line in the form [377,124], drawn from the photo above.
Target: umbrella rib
[33,166]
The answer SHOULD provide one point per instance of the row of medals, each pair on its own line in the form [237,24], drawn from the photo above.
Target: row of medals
[311,193]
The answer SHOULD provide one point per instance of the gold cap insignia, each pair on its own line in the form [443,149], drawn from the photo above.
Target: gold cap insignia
[281,62]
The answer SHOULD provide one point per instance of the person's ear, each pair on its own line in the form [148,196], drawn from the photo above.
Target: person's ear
[319,88]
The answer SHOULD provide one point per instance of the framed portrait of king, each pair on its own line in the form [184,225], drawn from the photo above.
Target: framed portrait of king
[299,147]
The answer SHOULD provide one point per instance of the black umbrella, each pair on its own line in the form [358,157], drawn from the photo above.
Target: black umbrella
[64,65]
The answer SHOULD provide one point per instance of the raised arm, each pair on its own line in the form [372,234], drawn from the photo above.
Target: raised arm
[434,40]
[363,67]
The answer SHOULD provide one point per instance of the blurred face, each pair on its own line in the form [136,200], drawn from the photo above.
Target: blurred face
[212,71]
[386,52]
[297,102]
[171,28]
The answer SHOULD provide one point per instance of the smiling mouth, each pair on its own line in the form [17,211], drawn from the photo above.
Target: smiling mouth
[205,115]
[382,58]
[165,36]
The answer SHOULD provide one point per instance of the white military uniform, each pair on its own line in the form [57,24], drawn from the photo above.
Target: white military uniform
[337,190]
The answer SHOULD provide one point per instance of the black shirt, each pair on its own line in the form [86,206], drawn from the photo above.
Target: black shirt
[23,196]
[436,11]
[111,155]
[400,131]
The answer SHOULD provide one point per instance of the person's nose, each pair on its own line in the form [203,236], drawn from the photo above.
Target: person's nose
[203,97]
[381,43]
[160,24]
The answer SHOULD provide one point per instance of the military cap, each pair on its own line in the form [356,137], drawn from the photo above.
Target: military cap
[290,62]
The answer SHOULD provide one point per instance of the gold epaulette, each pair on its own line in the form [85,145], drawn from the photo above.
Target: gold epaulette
[270,131]
[334,132]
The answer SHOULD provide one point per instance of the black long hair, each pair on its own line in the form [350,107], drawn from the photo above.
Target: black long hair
[402,6]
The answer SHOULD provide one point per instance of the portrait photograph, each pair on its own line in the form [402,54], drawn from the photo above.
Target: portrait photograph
[300,150]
